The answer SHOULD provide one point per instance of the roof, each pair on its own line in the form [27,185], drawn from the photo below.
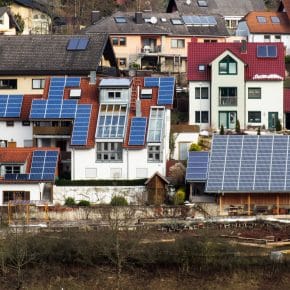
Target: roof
[285,6]
[34,4]
[159,175]
[254,26]
[3,10]
[256,68]
[48,55]
[14,155]
[115,82]
[162,25]
[223,7]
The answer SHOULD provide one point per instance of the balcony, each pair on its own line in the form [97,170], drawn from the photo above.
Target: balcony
[228,101]
[146,49]
[49,130]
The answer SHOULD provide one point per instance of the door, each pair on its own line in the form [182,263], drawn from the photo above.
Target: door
[228,119]
[272,120]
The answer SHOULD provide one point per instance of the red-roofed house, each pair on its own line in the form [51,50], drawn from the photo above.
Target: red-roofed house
[235,81]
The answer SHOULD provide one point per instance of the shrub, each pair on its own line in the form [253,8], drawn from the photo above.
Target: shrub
[179,196]
[278,125]
[69,201]
[238,127]
[194,147]
[84,203]
[118,201]
[222,130]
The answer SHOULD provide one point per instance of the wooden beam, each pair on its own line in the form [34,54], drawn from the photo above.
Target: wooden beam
[249,204]
[278,203]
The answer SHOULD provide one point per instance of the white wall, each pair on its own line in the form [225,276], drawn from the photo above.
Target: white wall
[188,138]
[17,133]
[99,194]
[34,189]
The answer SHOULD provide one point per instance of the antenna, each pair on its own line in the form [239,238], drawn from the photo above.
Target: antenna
[153,20]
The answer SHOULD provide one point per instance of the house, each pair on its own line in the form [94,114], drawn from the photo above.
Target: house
[236,81]
[246,173]
[232,11]
[156,41]
[26,174]
[27,60]
[36,15]
[8,25]
[266,26]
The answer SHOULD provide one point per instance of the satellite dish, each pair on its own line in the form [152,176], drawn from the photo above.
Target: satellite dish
[188,2]
[153,20]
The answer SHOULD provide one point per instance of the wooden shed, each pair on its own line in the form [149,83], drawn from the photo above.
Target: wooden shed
[157,186]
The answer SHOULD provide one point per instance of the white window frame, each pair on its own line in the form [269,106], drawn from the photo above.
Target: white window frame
[154,153]
[154,127]
[109,152]
[38,84]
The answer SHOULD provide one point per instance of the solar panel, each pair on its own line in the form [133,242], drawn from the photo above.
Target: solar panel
[120,19]
[166,91]
[72,82]
[78,43]
[83,43]
[267,51]
[10,106]
[197,165]
[137,131]
[151,82]
[81,125]
[249,164]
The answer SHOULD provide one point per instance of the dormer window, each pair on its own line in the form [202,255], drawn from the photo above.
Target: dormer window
[228,66]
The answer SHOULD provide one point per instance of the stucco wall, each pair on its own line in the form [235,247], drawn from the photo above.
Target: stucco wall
[99,194]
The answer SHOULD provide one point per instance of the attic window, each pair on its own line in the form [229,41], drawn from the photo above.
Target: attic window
[201,67]
[269,51]
[78,43]
[120,19]
[275,19]
[176,21]
[261,19]
[163,19]
[202,3]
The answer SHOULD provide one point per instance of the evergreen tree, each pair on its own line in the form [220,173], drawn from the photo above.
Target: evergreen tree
[278,125]
[238,127]
[222,130]
[259,131]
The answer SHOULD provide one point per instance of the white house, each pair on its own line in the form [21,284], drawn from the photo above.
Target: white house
[8,26]
[268,26]
[235,81]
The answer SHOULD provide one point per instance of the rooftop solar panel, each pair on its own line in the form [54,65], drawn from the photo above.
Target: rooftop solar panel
[197,166]
[137,131]
[10,106]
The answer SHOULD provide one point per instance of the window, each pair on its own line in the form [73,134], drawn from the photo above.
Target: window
[204,117]
[111,121]
[177,43]
[146,94]
[25,123]
[254,117]
[278,38]
[122,62]
[155,127]
[114,95]
[176,21]
[10,123]
[38,83]
[201,93]
[8,84]
[228,96]
[120,19]
[266,38]
[254,93]
[183,150]
[109,151]
[15,195]
[228,119]
[201,67]
[12,169]
[275,19]
[154,153]
[209,40]
[120,41]
[227,66]
[202,3]
[261,19]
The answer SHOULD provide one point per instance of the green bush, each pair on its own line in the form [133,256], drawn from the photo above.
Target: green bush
[179,196]
[69,201]
[287,59]
[118,201]
[222,130]
[84,203]
[278,125]
[194,147]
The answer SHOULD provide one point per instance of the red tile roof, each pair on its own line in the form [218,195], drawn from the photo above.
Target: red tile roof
[255,67]
[269,27]
[286,100]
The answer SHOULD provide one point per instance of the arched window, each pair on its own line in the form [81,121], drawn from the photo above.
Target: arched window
[228,66]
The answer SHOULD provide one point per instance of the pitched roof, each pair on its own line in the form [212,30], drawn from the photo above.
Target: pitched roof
[256,68]
[48,55]
[163,25]
[15,155]
[35,4]
[3,10]
[223,7]
[159,175]
[254,26]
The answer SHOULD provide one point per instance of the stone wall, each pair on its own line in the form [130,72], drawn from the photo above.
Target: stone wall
[99,194]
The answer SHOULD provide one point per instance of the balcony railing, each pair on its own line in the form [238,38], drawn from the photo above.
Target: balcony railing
[151,49]
[49,130]
[228,101]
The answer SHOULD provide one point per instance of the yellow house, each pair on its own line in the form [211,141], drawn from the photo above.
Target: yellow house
[156,41]
[36,17]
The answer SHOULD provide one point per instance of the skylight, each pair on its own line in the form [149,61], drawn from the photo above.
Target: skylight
[176,21]
[78,43]
[202,3]
[155,125]
[267,51]
[199,20]
[120,19]
[261,19]
[275,19]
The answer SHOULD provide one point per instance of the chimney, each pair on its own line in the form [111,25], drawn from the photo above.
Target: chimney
[95,16]
[93,77]
[138,17]
[244,46]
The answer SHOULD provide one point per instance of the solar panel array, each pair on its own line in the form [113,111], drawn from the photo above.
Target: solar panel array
[166,88]
[249,164]
[43,167]
[137,131]
[267,51]
[199,20]
[10,106]
[81,125]
[197,165]
[78,43]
